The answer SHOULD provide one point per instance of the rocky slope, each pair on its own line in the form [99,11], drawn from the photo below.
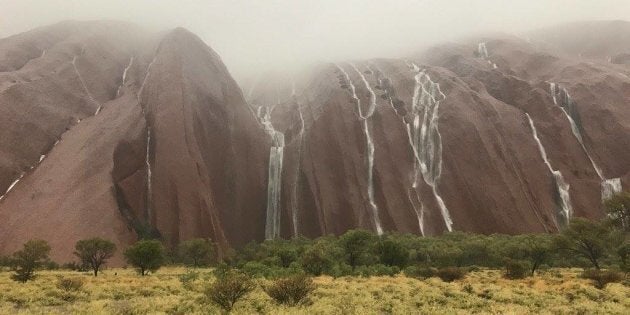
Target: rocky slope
[111,131]
[496,134]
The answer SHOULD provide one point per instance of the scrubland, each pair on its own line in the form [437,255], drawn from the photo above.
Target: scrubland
[172,290]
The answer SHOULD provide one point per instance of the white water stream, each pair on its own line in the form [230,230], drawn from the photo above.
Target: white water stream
[566,210]
[561,98]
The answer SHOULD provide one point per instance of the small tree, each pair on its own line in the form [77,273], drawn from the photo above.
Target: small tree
[33,254]
[585,238]
[94,252]
[393,253]
[292,290]
[534,248]
[145,255]
[618,210]
[358,245]
[196,252]
[229,288]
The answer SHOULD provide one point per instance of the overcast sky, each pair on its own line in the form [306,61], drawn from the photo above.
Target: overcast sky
[254,34]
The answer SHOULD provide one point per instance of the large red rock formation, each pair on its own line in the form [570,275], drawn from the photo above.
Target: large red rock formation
[118,133]
[90,109]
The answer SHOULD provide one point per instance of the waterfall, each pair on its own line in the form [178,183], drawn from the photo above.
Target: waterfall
[296,182]
[425,138]
[562,99]
[147,159]
[482,51]
[566,210]
[368,139]
[85,89]
[610,187]
[12,185]
[124,76]
[274,183]
[147,162]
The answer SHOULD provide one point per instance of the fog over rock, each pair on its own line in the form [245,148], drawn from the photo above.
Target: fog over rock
[116,131]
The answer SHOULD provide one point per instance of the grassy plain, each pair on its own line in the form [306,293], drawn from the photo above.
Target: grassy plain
[121,291]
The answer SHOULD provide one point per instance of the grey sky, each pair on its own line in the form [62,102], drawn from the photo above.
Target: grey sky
[256,34]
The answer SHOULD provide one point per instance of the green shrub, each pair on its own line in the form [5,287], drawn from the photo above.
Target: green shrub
[33,255]
[420,272]
[292,290]
[70,284]
[601,278]
[230,288]
[450,274]
[516,269]
[145,255]
[188,278]
[196,252]
[376,270]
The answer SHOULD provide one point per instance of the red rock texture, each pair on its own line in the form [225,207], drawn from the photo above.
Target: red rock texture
[207,151]
[176,151]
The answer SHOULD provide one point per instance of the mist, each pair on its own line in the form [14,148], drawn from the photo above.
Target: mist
[255,35]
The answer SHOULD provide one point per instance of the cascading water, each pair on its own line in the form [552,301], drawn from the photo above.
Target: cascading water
[12,185]
[87,91]
[425,137]
[566,210]
[147,159]
[368,139]
[274,183]
[562,99]
[296,182]
[147,162]
[412,193]
[124,76]
[482,51]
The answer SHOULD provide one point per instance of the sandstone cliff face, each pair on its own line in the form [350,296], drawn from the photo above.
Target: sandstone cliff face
[117,133]
[525,136]
[110,131]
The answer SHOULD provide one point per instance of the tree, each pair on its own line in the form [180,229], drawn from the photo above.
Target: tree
[94,252]
[618,210]
[534,248]
[196,252]
[33,254]
[357,245]
[585,238]
[229,288]
[145,255]
[318,258]
[393,253]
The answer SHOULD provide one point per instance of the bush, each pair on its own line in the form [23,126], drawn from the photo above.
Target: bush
[420,272]
[33,255]
[292,290]
[515,269]
[188,278]
[230,288]
[196,252]
[450,274]
[376,270]
[145,255]
[70,284]
[601,278]
[94,252]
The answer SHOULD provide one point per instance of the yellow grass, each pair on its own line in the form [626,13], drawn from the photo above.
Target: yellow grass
[121,291]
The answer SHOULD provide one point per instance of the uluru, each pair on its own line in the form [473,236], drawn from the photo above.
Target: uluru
[114,131]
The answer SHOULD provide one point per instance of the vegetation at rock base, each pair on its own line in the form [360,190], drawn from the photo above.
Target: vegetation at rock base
[581,269]
[145,256]
[33,255]
[94,252]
